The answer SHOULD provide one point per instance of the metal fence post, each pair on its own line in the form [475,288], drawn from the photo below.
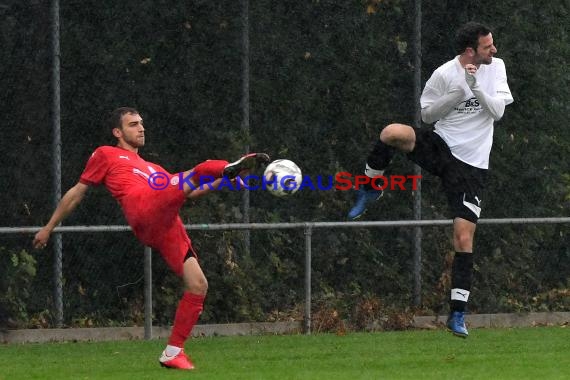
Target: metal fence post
[56,156]
[147,293]
[58,279]
[417,236]
[245,108]
[307,318]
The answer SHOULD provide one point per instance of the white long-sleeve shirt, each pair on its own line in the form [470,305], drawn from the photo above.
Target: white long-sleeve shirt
[465,120]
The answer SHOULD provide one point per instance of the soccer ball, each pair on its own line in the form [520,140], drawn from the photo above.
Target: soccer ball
[282,178]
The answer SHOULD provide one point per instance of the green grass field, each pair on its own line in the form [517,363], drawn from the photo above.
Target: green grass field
[522,353]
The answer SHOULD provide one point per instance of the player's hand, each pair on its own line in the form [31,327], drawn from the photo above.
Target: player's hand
[238,183]
[470,78]
[41,238]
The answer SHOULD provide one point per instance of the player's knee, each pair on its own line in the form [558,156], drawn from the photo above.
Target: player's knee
[463,241]
[197,286]
[400,136]
[203,286]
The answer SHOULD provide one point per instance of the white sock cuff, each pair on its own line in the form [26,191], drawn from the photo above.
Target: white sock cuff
[373,172]
[172,350]
[460,294]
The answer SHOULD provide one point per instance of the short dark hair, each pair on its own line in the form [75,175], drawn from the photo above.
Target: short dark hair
[114,119]
[468,36]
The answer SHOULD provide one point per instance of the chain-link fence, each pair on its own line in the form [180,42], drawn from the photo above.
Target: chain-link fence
[309,81]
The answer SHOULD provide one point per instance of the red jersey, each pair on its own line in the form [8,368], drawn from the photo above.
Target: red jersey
[151,213]
[120,170]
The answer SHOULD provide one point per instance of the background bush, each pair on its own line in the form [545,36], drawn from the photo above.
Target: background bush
[324,77]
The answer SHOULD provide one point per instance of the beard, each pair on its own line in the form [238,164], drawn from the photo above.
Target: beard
[136,142]
[485,60]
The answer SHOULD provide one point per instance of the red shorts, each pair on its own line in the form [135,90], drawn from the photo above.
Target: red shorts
[154,217]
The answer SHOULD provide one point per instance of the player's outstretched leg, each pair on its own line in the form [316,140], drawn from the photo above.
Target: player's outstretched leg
[248,162]
[456,324]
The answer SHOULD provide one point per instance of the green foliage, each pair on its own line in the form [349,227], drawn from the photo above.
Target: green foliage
[324,77]
[17,270]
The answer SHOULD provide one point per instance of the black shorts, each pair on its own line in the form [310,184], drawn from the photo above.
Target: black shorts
[463,183]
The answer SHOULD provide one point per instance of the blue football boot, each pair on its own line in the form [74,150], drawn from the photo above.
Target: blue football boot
[456,324]
[363,198]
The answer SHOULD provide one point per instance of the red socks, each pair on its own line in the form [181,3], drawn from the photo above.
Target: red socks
[210,168]
[187,314]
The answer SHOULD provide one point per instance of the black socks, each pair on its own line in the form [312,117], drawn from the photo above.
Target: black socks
[378,160]
[461,279]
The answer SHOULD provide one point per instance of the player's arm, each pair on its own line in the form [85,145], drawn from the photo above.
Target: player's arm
[495,105]
[204,189]
[436,102]
[66,205]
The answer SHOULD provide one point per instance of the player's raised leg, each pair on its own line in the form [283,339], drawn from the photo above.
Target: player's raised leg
[393,137]
[205,176]
[249,162]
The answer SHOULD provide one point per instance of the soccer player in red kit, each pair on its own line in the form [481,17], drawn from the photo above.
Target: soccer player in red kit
[151,198]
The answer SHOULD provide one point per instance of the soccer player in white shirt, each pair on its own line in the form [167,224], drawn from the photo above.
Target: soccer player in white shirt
[464,97]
